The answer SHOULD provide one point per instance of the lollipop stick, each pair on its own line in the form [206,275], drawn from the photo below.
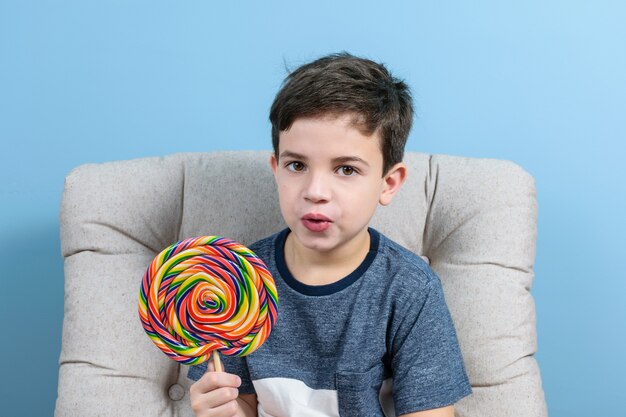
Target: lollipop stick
[217,362]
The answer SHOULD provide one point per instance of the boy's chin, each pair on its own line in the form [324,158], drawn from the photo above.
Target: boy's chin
[322,242]
[315,242]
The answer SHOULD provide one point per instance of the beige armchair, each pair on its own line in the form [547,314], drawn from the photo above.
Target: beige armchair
[473,219]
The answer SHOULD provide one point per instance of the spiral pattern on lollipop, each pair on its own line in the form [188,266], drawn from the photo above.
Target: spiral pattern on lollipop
[204,294]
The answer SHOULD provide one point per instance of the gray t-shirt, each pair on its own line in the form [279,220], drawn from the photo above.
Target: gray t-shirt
[378,339]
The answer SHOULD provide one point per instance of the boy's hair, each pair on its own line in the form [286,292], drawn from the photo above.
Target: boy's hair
[339,84]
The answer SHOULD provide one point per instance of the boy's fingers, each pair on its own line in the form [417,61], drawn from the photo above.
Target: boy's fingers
[210,367]
[213,380]
[214,401]
[216,398]
[229,409]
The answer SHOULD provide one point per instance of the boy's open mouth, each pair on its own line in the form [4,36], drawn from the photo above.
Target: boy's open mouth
[316,217]
[316,222]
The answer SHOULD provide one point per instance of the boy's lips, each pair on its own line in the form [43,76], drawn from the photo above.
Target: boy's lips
[316,222]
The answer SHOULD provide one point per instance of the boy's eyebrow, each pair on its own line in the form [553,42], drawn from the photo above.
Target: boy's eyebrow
[289,154]
[341,159]
[344,159]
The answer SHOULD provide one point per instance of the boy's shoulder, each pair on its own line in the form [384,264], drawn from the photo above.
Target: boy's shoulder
[262,246]
[404,266]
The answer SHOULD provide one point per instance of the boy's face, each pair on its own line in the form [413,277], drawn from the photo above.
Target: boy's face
[329,178]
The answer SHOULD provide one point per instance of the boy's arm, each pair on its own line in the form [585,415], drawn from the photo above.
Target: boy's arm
[426,360]
[436,412]
[248,404]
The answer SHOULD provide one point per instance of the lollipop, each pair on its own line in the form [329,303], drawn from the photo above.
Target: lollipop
[204,295]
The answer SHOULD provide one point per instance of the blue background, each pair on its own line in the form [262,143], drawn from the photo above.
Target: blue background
[540,83]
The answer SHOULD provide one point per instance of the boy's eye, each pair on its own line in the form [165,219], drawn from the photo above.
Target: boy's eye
[347,170]
[295,166]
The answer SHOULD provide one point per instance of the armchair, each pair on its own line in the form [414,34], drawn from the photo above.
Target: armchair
[473,219]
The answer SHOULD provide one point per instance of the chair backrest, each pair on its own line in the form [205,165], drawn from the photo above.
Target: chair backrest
[473,219]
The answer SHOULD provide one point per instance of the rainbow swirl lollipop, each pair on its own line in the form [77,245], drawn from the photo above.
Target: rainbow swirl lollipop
[207,294]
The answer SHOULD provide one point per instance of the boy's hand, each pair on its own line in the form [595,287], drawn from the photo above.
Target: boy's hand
[215,394]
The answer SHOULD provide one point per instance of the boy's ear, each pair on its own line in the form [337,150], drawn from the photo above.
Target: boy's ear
[392,183]
[273,163]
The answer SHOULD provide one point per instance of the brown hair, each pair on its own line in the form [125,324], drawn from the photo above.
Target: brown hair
[339,84]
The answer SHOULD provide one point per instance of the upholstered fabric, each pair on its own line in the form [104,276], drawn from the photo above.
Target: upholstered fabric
[473,219]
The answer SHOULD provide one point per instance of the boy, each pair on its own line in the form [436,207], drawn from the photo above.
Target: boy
[362,326]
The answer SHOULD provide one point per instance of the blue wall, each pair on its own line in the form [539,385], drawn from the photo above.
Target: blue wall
[539,83]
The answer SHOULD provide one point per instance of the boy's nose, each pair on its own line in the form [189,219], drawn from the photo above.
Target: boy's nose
[317,189]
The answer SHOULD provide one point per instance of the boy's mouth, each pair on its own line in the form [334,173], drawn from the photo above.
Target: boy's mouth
[316,222]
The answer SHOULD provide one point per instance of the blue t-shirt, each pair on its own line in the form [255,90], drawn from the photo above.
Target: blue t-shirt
[378,339]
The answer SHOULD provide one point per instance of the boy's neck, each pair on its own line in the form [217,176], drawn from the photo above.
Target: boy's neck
[321,268]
